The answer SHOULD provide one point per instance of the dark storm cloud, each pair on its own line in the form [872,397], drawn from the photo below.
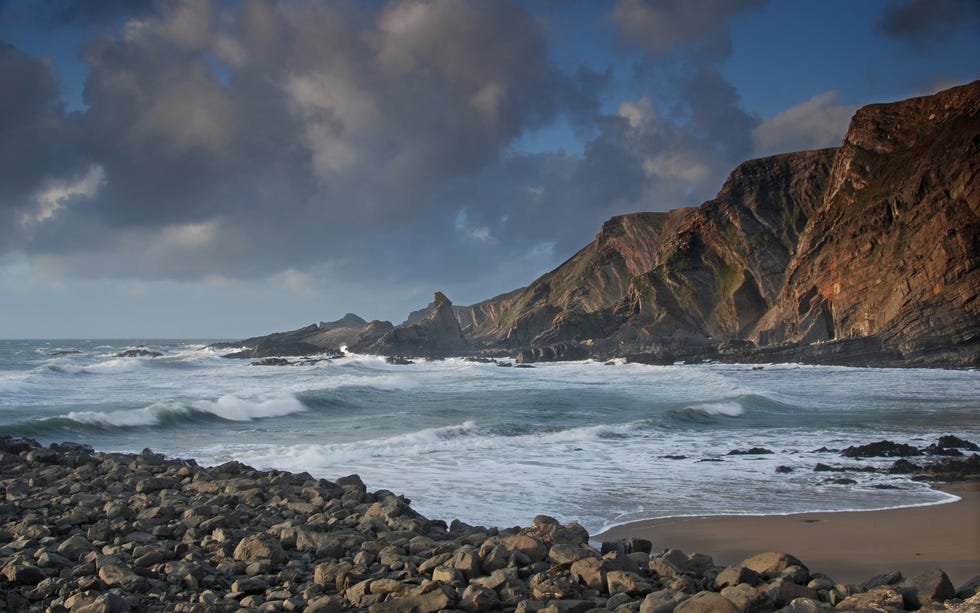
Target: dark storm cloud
[244,140]
[87,11]
[669,27]
[367,141]
[37,140]
[690,130]
[923,22]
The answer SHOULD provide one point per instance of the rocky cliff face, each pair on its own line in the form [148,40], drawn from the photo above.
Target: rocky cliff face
[688,274]
[874,240]
[864,254]
[892,250]
[437,336]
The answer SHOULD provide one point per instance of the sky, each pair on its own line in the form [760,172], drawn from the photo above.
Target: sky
[227,168]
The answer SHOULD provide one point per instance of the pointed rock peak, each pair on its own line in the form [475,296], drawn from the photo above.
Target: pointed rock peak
[440,299]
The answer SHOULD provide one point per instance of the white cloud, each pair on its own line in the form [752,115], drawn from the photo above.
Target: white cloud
[677,166]
[479,233]
[190,236]
[57,194]
[819,122]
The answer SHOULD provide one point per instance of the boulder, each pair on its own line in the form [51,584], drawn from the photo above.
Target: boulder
[882,598]
[734,575]
[563,553]
[662,601]
[527,545]
[805,605]
[258,547]
[625,582]
[744,596]
[23,574]
[590,572]
[706,602]
[781,591]
[476,599]
[120,575]
[927,587]
[969,589]
[771,563]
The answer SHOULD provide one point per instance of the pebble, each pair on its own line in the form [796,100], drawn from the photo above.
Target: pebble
[88,531]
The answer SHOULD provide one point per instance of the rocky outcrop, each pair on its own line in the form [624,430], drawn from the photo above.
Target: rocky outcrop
[892,251]
[324,337]
[862,255]
[438,335]
[683,277]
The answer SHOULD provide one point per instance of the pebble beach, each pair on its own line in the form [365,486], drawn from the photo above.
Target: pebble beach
[89,531]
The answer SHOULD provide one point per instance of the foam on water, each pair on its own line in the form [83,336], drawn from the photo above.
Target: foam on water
[232,408]
[227,407]
[598,444]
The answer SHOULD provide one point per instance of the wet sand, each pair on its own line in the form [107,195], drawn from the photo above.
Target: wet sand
[851,547]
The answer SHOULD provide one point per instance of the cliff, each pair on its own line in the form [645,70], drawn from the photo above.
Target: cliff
[866,254]
[687,275]
[869,249]
[893,251]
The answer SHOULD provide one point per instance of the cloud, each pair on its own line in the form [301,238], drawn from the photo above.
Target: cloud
[59,194]
[245,139]
[928,22]
[666,27]
[306,143]
[84,11]
[819,122]
[39,147]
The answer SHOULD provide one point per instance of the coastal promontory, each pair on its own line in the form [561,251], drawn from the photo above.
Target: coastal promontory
[866,254]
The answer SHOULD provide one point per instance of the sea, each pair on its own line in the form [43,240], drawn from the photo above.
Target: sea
[597,443]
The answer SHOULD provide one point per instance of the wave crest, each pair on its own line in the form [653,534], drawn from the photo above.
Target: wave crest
[228,407]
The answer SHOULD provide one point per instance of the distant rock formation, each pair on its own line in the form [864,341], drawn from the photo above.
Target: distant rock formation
[438,335]
[325,337]
[866,254]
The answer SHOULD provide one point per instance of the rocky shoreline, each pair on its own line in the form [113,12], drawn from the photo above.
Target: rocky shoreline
[89,531]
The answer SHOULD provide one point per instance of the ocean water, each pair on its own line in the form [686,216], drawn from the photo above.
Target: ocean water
[599,444]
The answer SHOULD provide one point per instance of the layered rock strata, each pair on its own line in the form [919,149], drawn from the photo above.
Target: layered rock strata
[866,254]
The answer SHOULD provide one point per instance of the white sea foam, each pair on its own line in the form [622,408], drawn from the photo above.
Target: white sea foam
[497,445]
[147,416]
[727,408]
[11,385]
[233,408]
[227,407]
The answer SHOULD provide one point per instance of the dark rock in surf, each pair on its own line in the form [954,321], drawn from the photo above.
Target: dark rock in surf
[138,353]
[750,451]
[951,470]
[278,349]
[271,362]
[954,442]
[881,449]
[903,467]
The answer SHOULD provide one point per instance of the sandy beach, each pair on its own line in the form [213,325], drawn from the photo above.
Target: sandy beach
[851,547]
